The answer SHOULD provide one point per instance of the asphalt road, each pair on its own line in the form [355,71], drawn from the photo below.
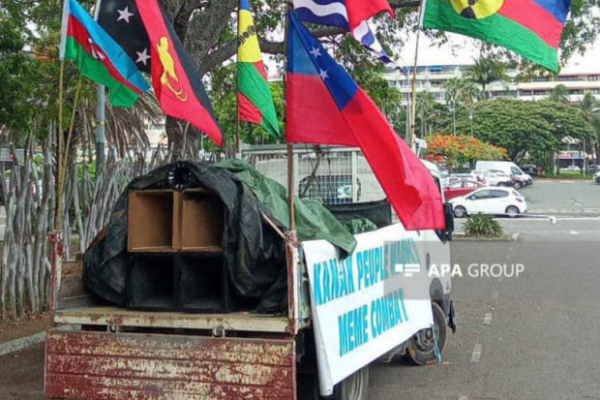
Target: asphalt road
[531,337]
[563,197]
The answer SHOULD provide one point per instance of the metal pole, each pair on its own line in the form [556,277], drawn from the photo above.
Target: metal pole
[454,115]
[413,109]
[471,118]
[101,131]
[407,135]
[584,157]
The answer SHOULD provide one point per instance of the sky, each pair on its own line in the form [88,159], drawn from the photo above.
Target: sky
[462,50]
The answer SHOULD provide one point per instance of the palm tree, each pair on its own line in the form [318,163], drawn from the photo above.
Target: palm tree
[485,71]
[560,94]
[425,107]
[455,89]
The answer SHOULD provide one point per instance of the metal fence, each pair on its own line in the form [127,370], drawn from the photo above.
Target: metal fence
[334,175]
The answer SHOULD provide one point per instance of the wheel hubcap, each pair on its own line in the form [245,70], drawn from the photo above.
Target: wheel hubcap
[425,339]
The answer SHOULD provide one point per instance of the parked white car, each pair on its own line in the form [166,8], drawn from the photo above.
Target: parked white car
[597,177]
[570,168]
[492,178]
[494,201]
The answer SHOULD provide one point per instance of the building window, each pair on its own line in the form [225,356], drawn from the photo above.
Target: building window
[568,78]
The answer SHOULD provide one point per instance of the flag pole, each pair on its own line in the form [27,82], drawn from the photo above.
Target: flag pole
[413,103]
[290,147]
[237,96]
[413,111]
[100,109]
[60,139]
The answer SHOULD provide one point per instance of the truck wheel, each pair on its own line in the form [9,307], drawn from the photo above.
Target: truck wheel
[421,347]
[354,387]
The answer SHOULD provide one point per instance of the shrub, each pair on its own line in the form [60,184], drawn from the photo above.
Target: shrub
[483,226]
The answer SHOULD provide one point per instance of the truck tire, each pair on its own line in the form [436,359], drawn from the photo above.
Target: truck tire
[354,387]
[420,348]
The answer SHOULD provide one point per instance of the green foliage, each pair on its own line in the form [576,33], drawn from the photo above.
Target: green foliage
[525,126]
[480,225]
[559,94]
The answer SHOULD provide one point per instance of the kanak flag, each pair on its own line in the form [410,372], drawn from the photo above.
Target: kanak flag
[325,106]
[531,28]
[177,86]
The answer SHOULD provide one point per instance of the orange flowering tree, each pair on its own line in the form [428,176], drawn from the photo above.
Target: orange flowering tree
[456,151]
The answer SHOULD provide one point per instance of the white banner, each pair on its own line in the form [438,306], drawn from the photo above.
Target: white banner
[368,303]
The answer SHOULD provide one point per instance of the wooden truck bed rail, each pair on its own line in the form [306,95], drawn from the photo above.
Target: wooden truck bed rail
[118,317]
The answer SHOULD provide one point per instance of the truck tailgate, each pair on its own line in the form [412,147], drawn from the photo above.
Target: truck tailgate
[99,365]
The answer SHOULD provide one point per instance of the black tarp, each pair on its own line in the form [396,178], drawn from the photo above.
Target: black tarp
[253,253]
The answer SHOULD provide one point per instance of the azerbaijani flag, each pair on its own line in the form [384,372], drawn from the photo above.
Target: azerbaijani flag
[531,28]
[255,103]
[99,57]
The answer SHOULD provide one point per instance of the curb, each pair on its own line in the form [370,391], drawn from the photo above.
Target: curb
[21,343]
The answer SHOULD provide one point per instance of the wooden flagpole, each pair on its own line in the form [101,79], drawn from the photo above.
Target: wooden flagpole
[290,147]
[237,83]
[60,140]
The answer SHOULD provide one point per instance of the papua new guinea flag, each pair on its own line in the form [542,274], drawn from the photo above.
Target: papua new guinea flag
[531,28]
[325,106]
[177,86]
[255,103]
[99,57]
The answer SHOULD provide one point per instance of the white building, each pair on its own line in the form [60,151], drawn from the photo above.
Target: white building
[433,77]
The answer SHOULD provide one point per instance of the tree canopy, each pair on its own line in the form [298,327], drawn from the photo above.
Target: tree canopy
[456,151]
[526,126]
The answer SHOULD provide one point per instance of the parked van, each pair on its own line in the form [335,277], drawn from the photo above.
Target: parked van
[509,168]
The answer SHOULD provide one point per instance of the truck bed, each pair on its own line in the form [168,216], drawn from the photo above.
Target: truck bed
[113,316]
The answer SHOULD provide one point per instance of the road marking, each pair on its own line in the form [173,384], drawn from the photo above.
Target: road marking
[573,233]
[463,398]
[495,294]
[487,318]
[476,356]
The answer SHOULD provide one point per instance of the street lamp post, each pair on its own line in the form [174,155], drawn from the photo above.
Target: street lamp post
[453,100]
[584,157]
[471,111]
